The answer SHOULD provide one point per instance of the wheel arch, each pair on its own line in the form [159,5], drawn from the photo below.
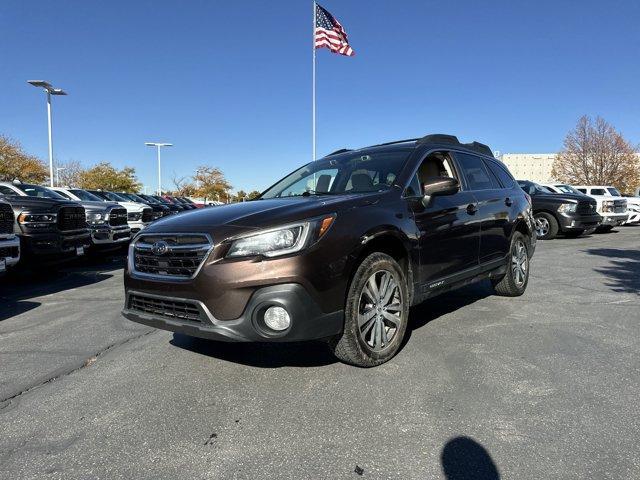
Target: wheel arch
[392,242]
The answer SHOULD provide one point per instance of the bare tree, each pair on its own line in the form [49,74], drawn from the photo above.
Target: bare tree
[595,153]
[184,186]
[70,173]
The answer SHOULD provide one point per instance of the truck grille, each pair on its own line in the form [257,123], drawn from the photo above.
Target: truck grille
[71,218]
[587,207]
[9,252]
[171,309]
[6,218]
[147,215]
[118,217]
[170,255]
[620,206]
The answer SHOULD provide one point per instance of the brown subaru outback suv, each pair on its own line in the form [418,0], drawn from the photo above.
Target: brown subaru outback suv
[337,250]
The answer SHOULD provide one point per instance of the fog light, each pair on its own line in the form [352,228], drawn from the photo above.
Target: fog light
[277,318]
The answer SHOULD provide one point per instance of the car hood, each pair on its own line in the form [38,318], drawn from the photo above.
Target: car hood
[132,206]
[562,197]
[259,214]
[97,205]
[37,203]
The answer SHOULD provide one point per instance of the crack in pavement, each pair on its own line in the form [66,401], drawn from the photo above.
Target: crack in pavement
[5,402]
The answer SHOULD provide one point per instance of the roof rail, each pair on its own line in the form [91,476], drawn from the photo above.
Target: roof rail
[453,140]
[396,141]
[342,150]
[479,147]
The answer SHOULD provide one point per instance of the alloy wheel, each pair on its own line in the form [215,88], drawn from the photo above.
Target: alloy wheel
[380,310]
[542,226]
[519,263]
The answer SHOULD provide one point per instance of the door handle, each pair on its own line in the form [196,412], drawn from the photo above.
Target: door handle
[508,202]
[472,208]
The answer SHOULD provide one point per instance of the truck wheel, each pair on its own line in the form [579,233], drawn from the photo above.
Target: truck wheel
[515,281]
[376,313]
[604,228]
[546,226]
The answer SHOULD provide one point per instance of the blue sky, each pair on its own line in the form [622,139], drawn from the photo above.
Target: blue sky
[229,83]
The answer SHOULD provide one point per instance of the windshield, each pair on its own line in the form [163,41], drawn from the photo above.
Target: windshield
[86,196]
[614,192]
[342,174]
[114,197]
[38,191]
[568,189]
[533,188]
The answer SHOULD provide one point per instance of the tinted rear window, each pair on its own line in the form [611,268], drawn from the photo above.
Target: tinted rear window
[503,175]
[476,173]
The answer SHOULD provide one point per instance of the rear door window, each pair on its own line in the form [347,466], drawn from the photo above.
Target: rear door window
[598,191]
[501,173]
[476,173]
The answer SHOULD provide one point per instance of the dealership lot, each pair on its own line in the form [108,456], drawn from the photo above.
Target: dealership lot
[541,386]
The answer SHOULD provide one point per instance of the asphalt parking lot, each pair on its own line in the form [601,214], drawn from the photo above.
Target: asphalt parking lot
[542,386]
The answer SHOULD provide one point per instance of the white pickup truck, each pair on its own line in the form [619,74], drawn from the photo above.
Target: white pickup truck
[611,205]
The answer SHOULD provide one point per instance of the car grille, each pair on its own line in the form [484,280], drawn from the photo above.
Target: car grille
[71,218]
[6,218]
[620,206]
[9,252]
[171,309]
[587,207]
[147,215]
[170,256]
[118,217]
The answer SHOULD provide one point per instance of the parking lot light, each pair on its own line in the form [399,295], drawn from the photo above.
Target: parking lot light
[158,146]
[47,87]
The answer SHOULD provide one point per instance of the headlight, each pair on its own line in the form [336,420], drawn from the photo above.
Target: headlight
[607,206]
[134,216]
[97,218]
[282,240]
[37,220]
[567,208]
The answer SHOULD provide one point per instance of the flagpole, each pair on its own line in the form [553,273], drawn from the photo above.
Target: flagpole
[313,122]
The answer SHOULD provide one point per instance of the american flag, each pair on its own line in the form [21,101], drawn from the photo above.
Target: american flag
[330,34]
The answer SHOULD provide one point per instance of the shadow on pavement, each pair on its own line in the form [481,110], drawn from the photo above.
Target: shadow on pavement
[24,284]
[463,458]
[263,355]
[624,272]
[448,302]
[316,354]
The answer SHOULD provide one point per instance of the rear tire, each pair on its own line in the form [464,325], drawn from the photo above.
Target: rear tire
[515,281]
[546,226]
[376,313]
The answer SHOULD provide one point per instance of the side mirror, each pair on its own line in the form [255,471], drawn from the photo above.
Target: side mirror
[439,186]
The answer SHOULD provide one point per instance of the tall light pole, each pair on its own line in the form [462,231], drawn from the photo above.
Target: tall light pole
[58,175]
[47,87]
[158,147]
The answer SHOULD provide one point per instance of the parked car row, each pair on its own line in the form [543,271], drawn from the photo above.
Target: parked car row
[44,224]
[559,208]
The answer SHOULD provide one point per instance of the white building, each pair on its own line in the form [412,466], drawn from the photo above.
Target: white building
[530,166]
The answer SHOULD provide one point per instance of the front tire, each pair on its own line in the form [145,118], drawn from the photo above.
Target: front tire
[376,313]
[546,226]
[515,281]
[604,228]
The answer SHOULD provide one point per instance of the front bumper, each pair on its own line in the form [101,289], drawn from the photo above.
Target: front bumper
[9,251]
[108,235]
[54,244]
[308,322]
[137,226]
[614,219]
[574,222]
